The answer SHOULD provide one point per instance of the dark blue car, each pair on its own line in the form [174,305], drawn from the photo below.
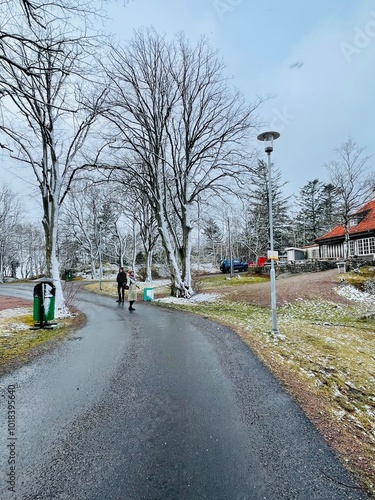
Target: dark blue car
[238,265]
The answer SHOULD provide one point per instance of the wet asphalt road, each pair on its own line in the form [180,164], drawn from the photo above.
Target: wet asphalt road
[154,405]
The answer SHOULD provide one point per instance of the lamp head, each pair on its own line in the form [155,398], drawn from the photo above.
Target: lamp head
[268,138]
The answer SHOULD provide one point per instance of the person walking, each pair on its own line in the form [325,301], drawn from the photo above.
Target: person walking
[121,282]
[132,293]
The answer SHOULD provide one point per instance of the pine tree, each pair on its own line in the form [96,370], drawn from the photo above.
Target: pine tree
[310,217]
[330,217]
[257,216]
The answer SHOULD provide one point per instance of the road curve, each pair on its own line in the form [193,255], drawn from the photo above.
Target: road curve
[158,404]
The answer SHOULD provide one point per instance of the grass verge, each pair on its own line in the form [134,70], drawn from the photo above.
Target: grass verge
[19,343]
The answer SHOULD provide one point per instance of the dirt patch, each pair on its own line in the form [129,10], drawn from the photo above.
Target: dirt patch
[13,302]
[309,286]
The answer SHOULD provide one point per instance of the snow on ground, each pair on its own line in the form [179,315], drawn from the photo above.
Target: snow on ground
[199,297]
[7,329]
[10,313]
[352,293]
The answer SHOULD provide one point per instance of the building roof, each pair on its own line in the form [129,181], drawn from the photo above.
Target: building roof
[366,223]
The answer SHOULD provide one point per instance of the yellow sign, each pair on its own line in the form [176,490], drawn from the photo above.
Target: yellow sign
[274,255]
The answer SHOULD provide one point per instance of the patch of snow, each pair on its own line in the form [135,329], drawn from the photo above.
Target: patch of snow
[11,313]
[205,268]
[352,293]
[199,297]
[12,327]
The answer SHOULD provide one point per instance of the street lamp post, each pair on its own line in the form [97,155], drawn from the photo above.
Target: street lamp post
[268,138]
[100,256]
[230,248]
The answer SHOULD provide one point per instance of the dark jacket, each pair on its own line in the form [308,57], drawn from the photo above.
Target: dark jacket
[121,278]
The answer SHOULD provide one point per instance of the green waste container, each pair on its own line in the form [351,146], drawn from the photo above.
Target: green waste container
[68,275]
[36,307]
[148,294]
[44,301]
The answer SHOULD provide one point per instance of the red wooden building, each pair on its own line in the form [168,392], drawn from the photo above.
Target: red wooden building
[361,236]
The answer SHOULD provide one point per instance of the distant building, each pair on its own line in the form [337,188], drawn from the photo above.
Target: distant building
[361,236]
[293,254]
[310,252]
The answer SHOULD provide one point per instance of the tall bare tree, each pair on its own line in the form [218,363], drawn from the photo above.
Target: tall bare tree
[48,122]
[10,219]
[24,23]
[31,255]
[148,232]
[353,181]
[182,130]
[93,220]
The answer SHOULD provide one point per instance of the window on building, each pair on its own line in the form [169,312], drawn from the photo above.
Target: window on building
[360,247]
[356,219]
[365,246]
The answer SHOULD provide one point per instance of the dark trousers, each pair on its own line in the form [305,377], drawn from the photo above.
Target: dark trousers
[120,291]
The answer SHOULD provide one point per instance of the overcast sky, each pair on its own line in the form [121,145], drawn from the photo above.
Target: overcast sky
[315,57]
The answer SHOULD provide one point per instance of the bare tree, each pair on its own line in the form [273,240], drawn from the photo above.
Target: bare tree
[352,180]
[182,132]
[93,220]
[148,233]
[10,218]
[48,122]
[31,254]
[24,24]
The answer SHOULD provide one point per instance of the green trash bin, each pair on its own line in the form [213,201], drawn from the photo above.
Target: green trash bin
[49,304]
[36,306]
[148,294]
[68,275]
[44,301]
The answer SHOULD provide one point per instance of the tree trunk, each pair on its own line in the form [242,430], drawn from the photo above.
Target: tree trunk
[51,215]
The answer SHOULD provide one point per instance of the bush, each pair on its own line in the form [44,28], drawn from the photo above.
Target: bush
[196,282]
[142,274]
[369,286]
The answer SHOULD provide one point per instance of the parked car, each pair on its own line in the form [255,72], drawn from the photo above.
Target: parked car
[238,265]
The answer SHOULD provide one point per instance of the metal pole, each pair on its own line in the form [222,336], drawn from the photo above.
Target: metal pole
[230,249]
[100,256]
[272,274]
[199,239]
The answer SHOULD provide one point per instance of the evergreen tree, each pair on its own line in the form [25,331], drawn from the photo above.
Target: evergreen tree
[318,211]
[330,217]
[256,231]
[309,218]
